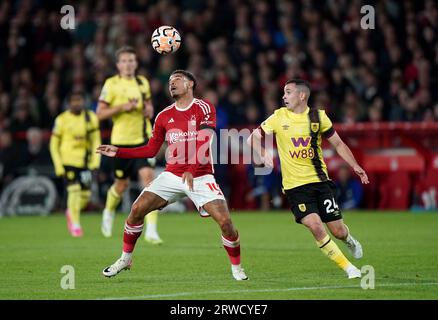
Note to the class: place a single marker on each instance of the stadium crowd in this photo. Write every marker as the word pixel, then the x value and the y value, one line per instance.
pixel 242 52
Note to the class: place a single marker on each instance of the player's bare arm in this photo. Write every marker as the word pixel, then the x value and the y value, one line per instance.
pixel 344 151
pixel 255 142
pixel 104 111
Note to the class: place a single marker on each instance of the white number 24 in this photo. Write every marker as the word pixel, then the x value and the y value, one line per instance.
pixel 330 205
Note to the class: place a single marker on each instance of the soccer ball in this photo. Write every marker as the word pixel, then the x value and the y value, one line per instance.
pixel 165 39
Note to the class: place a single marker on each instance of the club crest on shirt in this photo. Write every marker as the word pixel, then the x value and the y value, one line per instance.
pixel 314 127
pixel 193 120
pixel 302 207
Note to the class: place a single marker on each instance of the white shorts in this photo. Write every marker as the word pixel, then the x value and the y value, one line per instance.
pixel 171 188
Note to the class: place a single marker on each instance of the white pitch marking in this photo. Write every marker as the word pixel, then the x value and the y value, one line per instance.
pixel 181 294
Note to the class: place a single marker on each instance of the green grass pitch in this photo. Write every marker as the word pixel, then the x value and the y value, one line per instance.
pixel 280 258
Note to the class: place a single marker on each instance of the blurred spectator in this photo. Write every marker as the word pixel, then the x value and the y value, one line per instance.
pixel 10 158
pixel 375 111
pixel 21 117
pixel 350 190
pixel 243 51
pixel 5 110
pixel 265 190
pixel 86 27
pixel 53 109
pixel 36 155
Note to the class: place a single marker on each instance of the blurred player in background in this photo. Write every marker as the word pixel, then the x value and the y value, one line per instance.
pixel 188 126
pixel 126 99
pixel 298 131
pixel 74 136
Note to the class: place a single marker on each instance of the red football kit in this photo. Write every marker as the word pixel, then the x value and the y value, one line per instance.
pixel 187 150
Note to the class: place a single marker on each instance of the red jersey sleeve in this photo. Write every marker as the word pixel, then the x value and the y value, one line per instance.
pixel 151 148
pixel 207 115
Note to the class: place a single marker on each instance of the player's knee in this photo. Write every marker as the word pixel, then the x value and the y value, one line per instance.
pixel 316 228
pixel 339 232
pixel 137 211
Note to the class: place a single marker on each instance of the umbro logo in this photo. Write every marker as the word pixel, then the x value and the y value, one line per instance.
pixel 171 120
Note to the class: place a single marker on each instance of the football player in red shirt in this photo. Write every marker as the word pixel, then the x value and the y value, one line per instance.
pixel 188 126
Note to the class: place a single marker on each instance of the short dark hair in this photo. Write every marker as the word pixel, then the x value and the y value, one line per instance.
pixel 76 93
pixel 300 82
pixel 124 49
pixel 187 74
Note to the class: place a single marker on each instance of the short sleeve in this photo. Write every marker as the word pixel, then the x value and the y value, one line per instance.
pixel 327 129
pixel 207 115
pixel 270 124
pixel 107 94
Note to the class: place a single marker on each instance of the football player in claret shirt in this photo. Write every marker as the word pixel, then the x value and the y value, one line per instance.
pixel 187 126
pixel 126 99
pixel 298 132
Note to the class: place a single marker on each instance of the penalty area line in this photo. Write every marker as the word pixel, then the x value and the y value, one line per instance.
pixel 182 294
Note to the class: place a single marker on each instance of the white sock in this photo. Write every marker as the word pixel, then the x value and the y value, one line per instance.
pixel 106 213
pixel 126 255
pixel 235 266
pixel 151 230
pixel 351 267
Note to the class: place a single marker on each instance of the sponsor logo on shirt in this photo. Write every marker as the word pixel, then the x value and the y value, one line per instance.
pixel 182 136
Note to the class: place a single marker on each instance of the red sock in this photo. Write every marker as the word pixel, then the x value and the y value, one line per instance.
pixel 130 236
pixel 233 249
